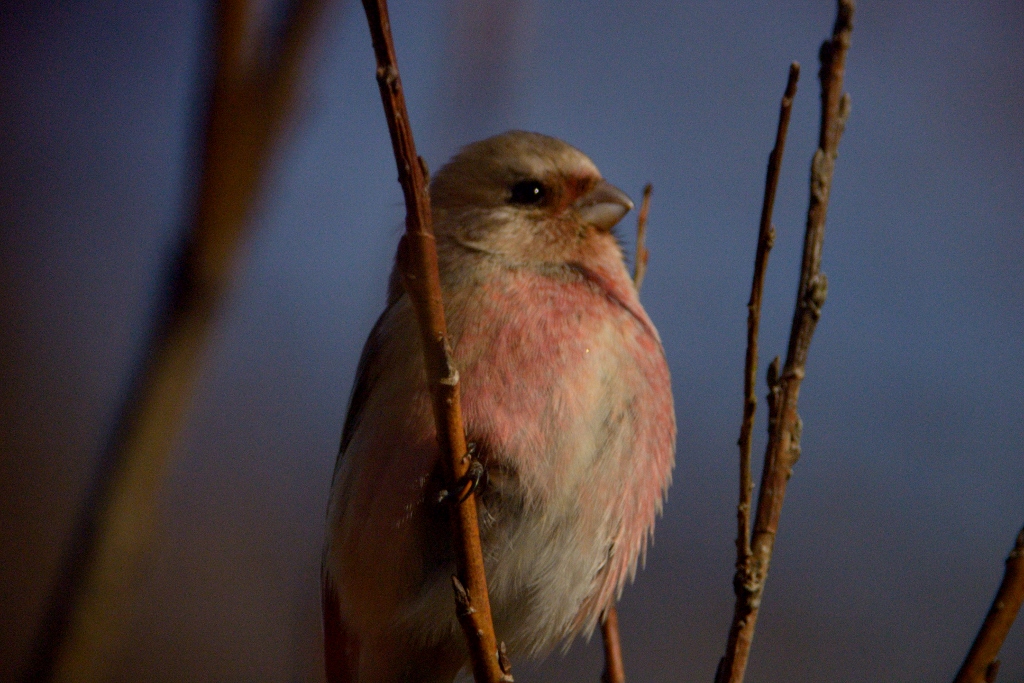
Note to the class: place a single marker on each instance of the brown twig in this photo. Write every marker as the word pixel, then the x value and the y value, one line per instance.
pixel 785 426
pixel 247 106
pixel 981 664
pixel 765 240
pixel 640 267
pixel 614 671
pixel 417 259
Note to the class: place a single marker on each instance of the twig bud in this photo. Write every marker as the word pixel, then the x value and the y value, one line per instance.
pixel 773 373
pixel 462 599
pixel 503 661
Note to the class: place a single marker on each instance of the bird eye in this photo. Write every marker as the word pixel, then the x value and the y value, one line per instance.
pixel 528 192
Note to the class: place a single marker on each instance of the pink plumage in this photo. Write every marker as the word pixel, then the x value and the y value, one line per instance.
pixel 566 395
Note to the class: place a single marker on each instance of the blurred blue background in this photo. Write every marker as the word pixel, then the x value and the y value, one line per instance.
pixel 911 485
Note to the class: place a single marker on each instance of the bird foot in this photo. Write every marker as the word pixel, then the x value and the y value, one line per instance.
pixel 472 481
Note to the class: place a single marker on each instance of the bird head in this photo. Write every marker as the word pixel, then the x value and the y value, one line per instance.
pixel 527 199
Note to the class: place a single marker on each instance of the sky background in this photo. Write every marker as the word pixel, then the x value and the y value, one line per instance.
pixel 910 489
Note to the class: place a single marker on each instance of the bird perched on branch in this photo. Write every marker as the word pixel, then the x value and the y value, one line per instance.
pixel 566 397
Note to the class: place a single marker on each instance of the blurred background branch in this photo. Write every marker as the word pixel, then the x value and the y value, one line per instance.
pixel 249 101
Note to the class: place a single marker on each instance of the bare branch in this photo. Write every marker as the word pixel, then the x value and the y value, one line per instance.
pixel 640 267
pixel 417 261
pixel 247 107
pixel 765 240
pixel 981 664
pixel 785 426
pixel 614 671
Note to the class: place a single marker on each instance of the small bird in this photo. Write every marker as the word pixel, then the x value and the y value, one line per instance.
pixel 566 399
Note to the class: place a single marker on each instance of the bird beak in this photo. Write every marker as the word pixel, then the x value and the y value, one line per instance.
pixel 603 206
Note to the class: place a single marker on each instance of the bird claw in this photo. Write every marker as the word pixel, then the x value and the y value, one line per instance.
pixel 474 476
pixel 469 483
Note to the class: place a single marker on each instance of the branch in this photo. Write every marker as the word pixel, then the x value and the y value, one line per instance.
pixel 785 426
pixel 640 267
pixel 765 241
pixel 417 261
pixel 981 664
pixel 614 671
pixel 247 107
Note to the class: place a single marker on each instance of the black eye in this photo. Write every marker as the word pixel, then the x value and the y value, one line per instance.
pixel 527 192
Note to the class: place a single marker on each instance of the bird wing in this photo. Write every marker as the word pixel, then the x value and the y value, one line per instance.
pixel 367 373
pixel 341 645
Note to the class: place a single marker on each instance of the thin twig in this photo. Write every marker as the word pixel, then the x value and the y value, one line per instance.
pixel 981 664
pixel 417 260
pixel 640 267
pixel 765 240
pixel 614 671
pixel 247 107
pixel 783 448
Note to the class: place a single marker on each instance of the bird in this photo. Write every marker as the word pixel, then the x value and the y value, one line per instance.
pixel 567 403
